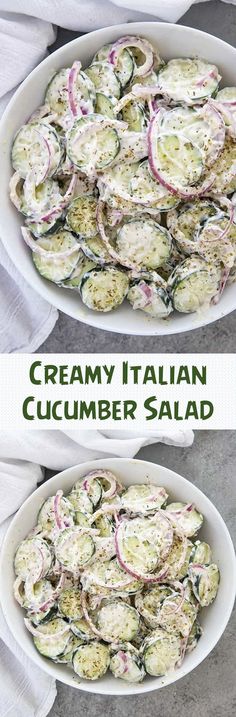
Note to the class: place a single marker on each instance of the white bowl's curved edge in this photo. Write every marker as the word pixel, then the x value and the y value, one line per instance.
pixel 148 686
pixel 140 325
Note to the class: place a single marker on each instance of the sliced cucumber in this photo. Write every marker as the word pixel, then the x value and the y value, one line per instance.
pixel 118 621
pixel 40 617
pixel 37 593
pixel 124 66
pixel 205 581
pixel 81 216
pixel 161 652
pixel 84 265
pixel 148 603
pixel 177 617
pixel 142 542
pixel 106 575
pixel 43 229
pixel 91 661
pixel 227 95
pixel 104 289
pixel 188 81
pixel 57 269
pixel 224 169
pixel 57 93
pixel 74 548
pixel 194 637
pixel 104 105
pixel 105 526
pixel 193 284
pixel 178 160
pixel 215 250
pixel 81 629
pixel 30 150
pixel 143 498
pixel 93 490
pixel 95 249
pixel 145 188
pixel 186 223
pixel 81 519
pixel 69 604
pixel 33 558
pixel 49 646
pixel 201 127
pixel 133 113
pixel 127 665
pixel 93 150
pixel 67 656
pixel 144 242
pixel 177 561
pixel 151 298
pixel 46 515
pixel 104 78
pixel 187 517
pixel 201 553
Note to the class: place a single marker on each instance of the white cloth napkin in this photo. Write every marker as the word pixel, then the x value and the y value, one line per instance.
pixel 27 28
pixel 26 691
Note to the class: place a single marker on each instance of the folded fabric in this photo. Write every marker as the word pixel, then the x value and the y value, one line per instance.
pixel 27 29
pixel 25 691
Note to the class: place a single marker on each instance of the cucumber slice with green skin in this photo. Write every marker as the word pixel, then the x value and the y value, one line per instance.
pixel 227 95
pixel 46 515
pixel 80 500
pixel 210 245
pixel 59 269
pixel 69 604
pixel 57 94
pixel 188 81
pixel 33 558
pixel 104 78
pixel 44 229
pixel 127 666
pixel 145 188
pixel 39 618
pixel 144 242
pixel 106 575
pixel 30 150
pixel 179 161
pixel 161 653
pixel 143 498
pixel 38 593
pixel 202 126
pixel 81 216
pixel 150 298
pixel 81 629
pixel 224 169
pixel 39 198
pixel 205 581
pixel 194 637
pixel 143 542
pixel 148 603
pixel 104 289
pixel 105 526
pixel 96 251
pixel 104 105
pixel 187 517
pixel 81 519
pixel 93 490
pixel 145 80
pixel 67 656
pixel 124 66
pixel 178 559
pixel 201 553
pixel 177 617
pixel 92 151
pixel 185 223
pixel 193 284
pixel 133 146
pixel 84 265
pixel 133 113
pixel 118 621
pixel 52 647
pixel 74 548
pixel 91 662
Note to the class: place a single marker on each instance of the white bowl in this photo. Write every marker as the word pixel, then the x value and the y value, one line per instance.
pixel 213 619
pixel 172 41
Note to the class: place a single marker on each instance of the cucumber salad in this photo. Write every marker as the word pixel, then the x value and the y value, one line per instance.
pixel 115 578
pixel 126 177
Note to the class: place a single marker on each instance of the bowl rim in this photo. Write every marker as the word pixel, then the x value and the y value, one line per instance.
pixel 148 686
pixel 47 292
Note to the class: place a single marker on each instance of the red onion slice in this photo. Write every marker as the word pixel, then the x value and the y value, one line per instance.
pixel 56 508
pixel 108 475
pixel 71 83
pixel 130 41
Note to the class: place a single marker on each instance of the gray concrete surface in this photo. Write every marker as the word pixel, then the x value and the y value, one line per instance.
pixel 72 336
pixel 210 690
